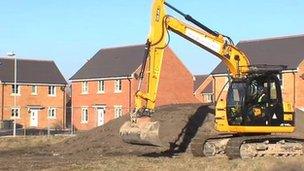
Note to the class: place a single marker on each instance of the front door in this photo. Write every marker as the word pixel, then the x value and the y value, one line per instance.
pixel 100 116
pixel 34 118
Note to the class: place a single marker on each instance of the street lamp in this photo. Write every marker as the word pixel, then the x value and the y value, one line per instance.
pixel 12 54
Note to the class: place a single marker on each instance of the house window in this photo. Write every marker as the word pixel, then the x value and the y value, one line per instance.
pixel 52 90
pixel 84 115
pixel 52 113
pixel 34 90
pixel 101 86
pixel 15 89
pixel 15 112
pixel 117 86
pixel 208 97
pixel 85 87
pixel 118 111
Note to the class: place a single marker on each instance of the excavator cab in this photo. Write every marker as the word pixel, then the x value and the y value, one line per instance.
pixel 256 101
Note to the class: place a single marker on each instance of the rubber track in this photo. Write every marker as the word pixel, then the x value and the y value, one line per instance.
pixel 199 142
pixel 233 147
pixel 234 144
pixel 197 145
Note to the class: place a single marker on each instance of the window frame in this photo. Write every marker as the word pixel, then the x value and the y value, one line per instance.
pixel 36 90
pixel 116 114
pixel 208 96
pixel 84 120
pixel 273 91
pixel 101 86
pixel 14 116
pixel 118 86
pixel 84 87
pixel 53 91
pixel 18 93
pixel 53 109
pixel 281 79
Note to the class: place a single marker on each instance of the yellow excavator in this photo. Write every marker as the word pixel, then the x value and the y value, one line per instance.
pixel 252 112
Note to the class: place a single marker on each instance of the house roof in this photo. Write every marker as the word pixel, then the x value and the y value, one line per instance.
pixel 209 88
pixel 31 71
pixel 112 62
pixel 199 79
pixel 287 50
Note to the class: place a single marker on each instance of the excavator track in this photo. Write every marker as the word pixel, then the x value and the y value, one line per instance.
pixel 197 146
pixel 235 147
pixel 208 145
pixel 265 145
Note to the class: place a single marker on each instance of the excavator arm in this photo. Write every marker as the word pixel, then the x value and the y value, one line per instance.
pixel 215 43
pixel 141 130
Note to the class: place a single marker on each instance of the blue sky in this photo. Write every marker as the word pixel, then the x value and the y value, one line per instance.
pixel 72 31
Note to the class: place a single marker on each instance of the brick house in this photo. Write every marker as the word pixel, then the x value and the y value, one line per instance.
pixel 104 88
pixel 40 93
pixel 287 50
pixel 203 88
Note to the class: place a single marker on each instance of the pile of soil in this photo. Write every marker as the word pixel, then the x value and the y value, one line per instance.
pixel 179 124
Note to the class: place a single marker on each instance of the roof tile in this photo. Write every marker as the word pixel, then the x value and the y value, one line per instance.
pixel 199 79
pixel 112 62
pixel 31 71
pixel 275 51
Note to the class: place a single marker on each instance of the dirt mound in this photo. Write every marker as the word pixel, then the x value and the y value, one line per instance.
pixel 179 124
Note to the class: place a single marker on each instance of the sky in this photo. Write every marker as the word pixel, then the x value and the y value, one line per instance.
pixel 70 32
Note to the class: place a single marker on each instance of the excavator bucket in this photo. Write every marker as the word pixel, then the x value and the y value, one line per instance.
pixel 140 133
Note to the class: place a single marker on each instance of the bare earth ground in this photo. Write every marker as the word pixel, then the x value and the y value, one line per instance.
pixel 102 149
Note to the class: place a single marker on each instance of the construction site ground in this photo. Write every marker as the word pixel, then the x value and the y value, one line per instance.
pixel 102 149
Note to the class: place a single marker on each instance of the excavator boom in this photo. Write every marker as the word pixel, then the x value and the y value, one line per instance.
pixel 141 129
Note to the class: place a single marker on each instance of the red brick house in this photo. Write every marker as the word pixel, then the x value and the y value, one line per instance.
pixel 40 93
pixel 203 88
pixel 104 88
pixel 287 50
